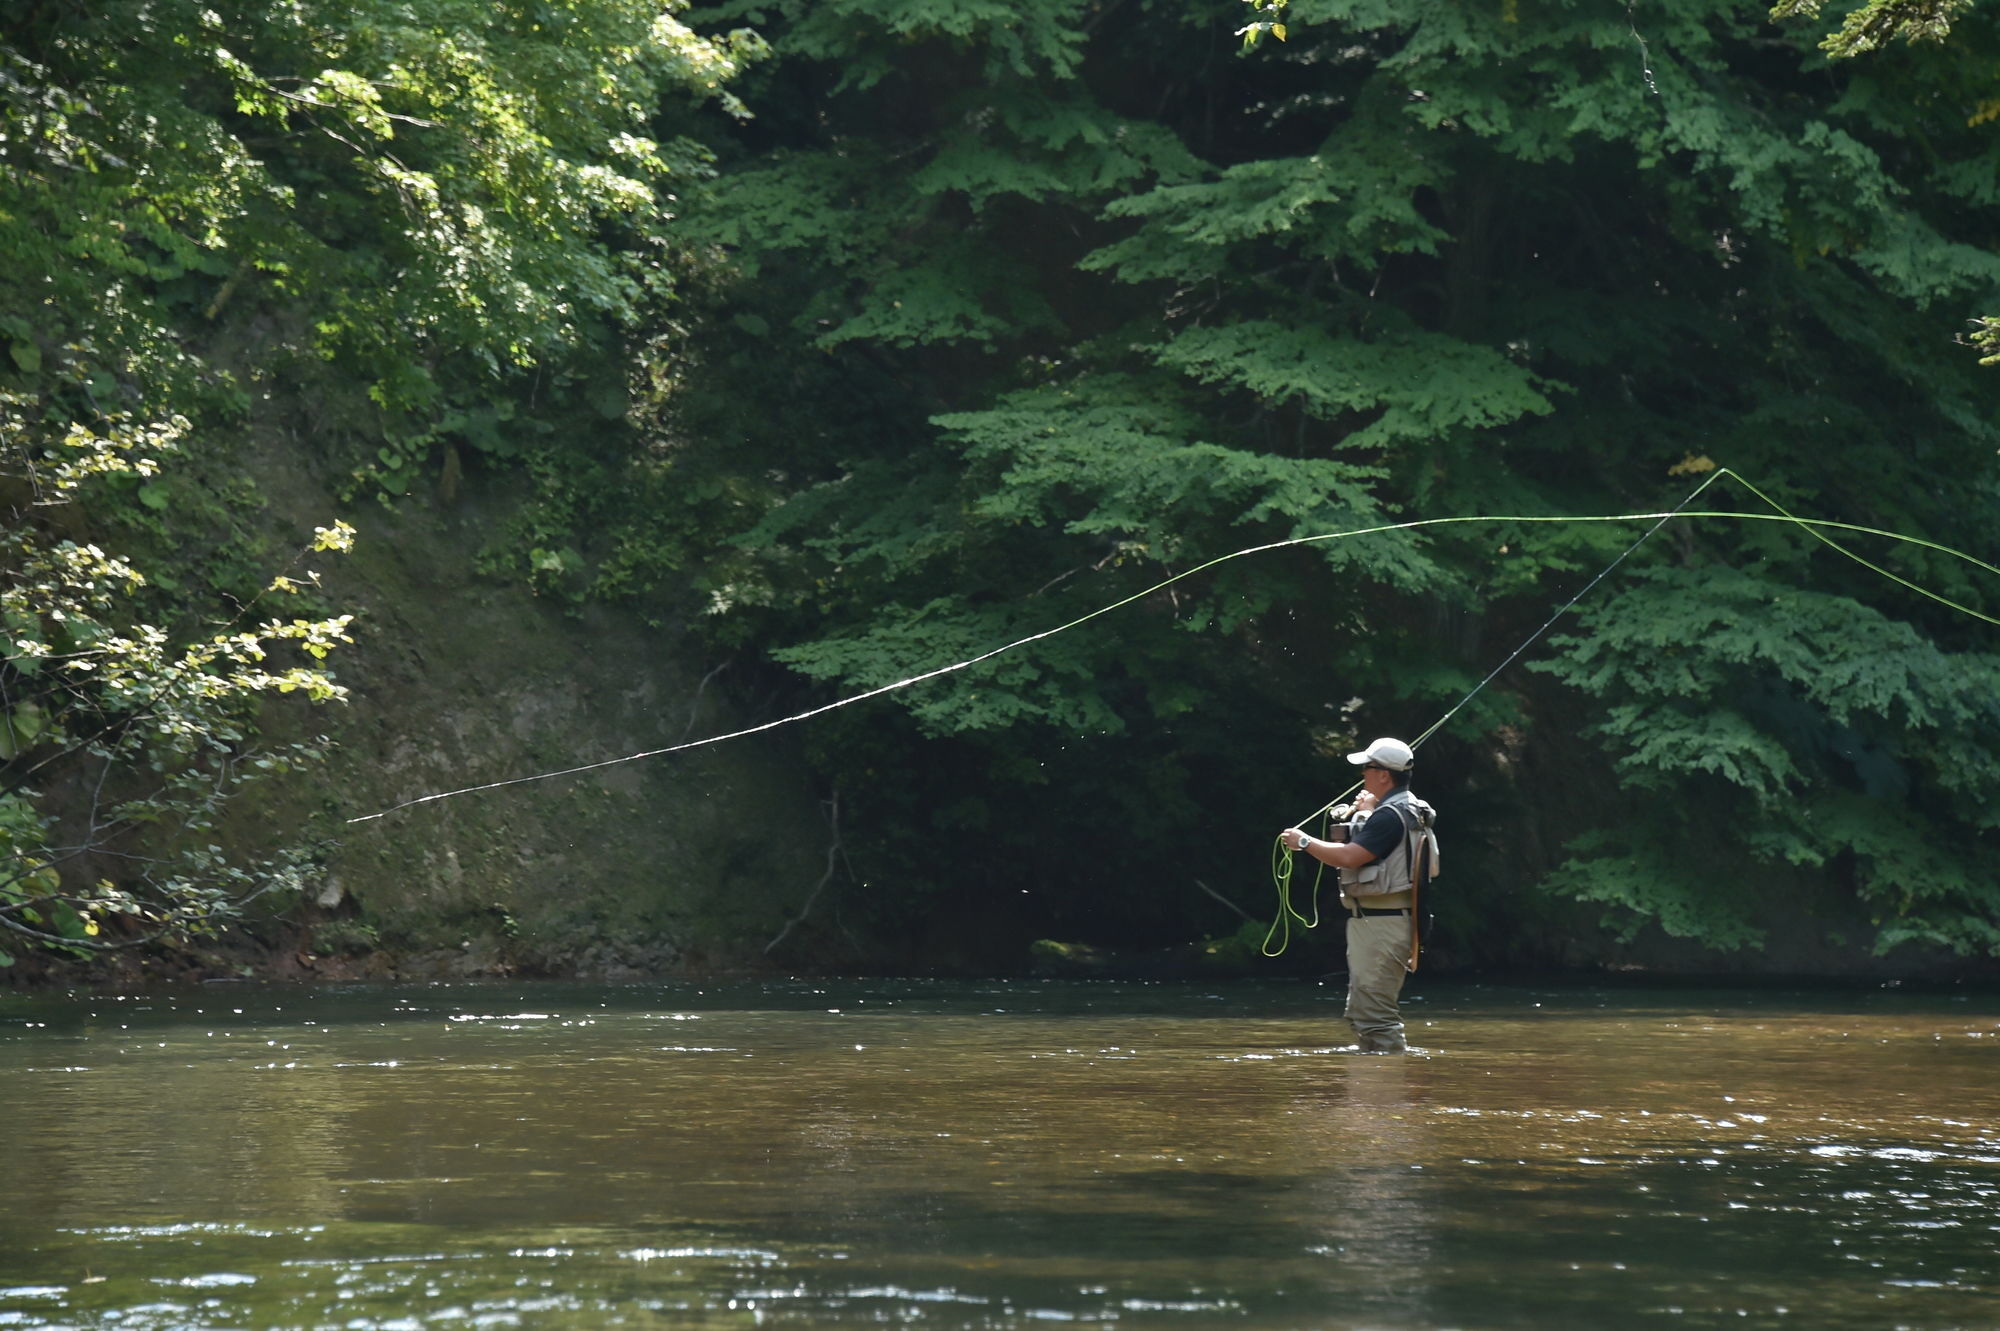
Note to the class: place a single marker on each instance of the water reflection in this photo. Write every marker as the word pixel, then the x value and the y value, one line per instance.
pixel 988 1156
pixel 1371 1133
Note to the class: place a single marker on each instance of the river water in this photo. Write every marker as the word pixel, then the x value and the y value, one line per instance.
pixel 995 1156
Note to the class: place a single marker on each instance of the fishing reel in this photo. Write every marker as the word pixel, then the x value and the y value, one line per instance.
pixel 1338 827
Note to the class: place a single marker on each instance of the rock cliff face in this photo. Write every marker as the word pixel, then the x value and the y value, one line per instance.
pixel 687 861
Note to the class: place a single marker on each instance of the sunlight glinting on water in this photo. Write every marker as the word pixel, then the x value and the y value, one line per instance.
pixel 996 1156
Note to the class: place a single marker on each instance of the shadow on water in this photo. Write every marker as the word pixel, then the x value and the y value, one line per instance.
pixel 990 1155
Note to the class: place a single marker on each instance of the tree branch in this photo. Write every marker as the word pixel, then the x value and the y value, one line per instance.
pixel 834 854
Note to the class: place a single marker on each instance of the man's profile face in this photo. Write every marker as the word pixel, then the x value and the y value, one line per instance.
pixel 1376 780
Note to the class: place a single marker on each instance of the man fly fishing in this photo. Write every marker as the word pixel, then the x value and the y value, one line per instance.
pixel 1383 849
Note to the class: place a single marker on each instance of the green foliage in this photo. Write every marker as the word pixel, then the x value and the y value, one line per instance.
pixel 1827 735
pixel 1642 882
pixel 873 40
pixel 123 741
pixel 1986 336
pixel 437 198
pixel 1018 322
pixel 1254 32
pixel 1110 455
pixel 413 235
pixel 1870 26
pixel 1423 385
pixel 1874 24
pixel 1349 201
pixel 960 320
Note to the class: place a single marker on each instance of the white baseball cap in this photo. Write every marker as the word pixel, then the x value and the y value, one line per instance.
pixel 1390 753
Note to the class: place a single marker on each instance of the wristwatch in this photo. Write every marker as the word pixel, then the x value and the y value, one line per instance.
pixel 1303 839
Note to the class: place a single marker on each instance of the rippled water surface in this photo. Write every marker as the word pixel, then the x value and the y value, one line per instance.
pixel 997 1156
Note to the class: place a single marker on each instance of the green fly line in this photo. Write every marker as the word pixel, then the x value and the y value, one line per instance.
pixel 1282 861
pixel 1817 527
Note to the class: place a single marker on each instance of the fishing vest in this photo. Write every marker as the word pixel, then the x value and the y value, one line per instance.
pixel 1391 873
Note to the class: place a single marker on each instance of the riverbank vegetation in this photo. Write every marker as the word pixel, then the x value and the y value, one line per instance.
pixel 863 338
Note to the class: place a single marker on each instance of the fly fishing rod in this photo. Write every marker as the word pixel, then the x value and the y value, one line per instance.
pixel 1281 856
pixel 1819 528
